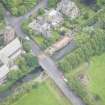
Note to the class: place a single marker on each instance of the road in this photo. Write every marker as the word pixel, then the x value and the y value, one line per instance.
pixel 15 22
pixel 45 61
pixel 53 71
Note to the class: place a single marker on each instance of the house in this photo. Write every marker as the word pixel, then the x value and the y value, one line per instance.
pixel 9 34
pixel 41 27
pixel 44 25
pixel 4 70
pixel 59 45
pixel 6 36
pixel 54 17
pixel 8 55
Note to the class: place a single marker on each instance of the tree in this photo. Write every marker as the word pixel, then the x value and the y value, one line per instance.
pixel 31 60
pixel 101 2
pixel 26 46
pixel 19 7
pixel 1 12
pixel 13 75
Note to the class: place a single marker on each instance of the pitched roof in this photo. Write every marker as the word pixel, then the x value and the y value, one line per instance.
pixel 10 49
pixel 3 71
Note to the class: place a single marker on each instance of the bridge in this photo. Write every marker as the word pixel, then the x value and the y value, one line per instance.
pixel 52 70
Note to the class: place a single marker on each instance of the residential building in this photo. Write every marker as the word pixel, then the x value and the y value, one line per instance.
pixel 58 45
pixel 9 34
pixel 8 55
pixel 54 17
pixel 44 25
pixel 4 70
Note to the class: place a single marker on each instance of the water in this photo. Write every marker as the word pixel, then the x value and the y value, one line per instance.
pixel 64 51
pixel 35 73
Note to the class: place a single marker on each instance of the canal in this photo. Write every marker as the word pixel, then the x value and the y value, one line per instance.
pixel 31 76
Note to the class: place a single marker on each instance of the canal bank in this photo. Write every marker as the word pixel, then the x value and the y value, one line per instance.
pixel 31 76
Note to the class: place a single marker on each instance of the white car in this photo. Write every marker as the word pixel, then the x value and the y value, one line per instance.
pixel 65 79
pixel 27 38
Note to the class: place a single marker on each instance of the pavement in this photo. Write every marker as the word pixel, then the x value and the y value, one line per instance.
pixel 46 62
pixel 15 22
pixel 52 70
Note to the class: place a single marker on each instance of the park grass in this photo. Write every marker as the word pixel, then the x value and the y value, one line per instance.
pixel 95 88
pixel 45 94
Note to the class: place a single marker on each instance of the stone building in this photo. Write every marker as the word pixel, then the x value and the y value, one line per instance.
pixel 8 55
pixel 58 45
pixel 9 35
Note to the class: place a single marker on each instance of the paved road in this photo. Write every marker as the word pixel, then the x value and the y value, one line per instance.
pixel 56 75
pixel 16 23
pixel 44 61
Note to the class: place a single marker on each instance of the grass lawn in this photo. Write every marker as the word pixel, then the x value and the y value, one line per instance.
pixel 45 94
pixel 43 42
pixel 39 40
pixel 97 78
pixel 94 81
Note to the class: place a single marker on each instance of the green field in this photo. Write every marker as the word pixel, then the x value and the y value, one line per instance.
pixel 92 80
pixel 45 94
pixel 97 78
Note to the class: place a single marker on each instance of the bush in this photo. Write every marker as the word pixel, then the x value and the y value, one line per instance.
pixel 26 46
